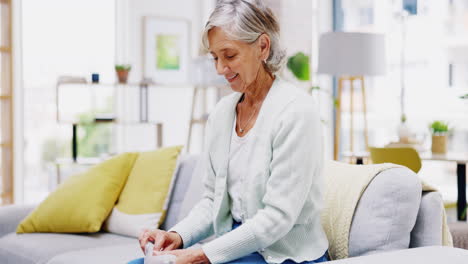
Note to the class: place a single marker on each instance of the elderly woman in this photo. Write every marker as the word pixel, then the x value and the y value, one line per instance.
pixel 263 158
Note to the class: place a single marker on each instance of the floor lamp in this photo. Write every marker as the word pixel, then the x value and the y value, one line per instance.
pixel 350 56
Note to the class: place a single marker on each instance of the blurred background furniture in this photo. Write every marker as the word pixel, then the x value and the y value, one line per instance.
pixel 351 56
pixel 113 94
pixel 407 157
pixel 200 100
pixel 204 77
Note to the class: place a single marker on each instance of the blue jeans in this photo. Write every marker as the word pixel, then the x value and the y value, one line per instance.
pixel 256 258
pixel 253 258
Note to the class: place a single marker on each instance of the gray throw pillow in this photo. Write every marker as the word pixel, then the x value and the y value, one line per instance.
pixel 428 228
pixel 386 213
pixel 184 174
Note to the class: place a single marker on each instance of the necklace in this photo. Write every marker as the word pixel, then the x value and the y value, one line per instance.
pixel 241 130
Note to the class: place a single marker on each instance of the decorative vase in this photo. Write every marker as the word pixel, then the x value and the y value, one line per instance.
pixel 122 76
pixel 439 143
pixel 404 133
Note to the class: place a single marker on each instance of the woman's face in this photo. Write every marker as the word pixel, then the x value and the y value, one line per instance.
pixel 238 61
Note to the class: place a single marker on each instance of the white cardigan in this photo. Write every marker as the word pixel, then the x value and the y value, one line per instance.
pixel 282 191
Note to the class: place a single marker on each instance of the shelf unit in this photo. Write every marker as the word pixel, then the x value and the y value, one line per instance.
pixel 6 104
pixel 200 92
pixel 67 80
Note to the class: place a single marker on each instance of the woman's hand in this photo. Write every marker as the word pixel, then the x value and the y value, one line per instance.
pixel 163 241
pixel 184 256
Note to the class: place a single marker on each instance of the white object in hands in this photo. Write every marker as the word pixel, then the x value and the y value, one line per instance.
pixel 162 259
pixel 149 249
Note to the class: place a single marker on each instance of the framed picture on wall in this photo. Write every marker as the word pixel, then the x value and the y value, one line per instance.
pixel 166 50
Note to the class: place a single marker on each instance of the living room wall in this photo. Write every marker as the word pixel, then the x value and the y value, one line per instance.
pixel 302 21
pixel 170 105
pixel 129 34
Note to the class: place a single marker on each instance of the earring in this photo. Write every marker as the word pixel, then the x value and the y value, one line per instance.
pixel 264 61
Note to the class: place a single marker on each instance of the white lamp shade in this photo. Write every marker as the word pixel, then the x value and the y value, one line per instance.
pixel 352 53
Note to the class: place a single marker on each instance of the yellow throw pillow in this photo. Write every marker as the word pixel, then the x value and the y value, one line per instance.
pixel 82 203
pixel 143 201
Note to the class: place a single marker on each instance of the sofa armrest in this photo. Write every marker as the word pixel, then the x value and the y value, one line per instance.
pixel 386 213
pixel 11 216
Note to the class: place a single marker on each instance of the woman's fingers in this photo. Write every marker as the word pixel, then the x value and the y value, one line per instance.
pixel 145 237
pixel 159 241
pixel 170 247
pixel 143 240
pixel 142 233
pixel 177 252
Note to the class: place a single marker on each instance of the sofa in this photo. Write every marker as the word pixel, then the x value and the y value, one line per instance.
pixel 392 216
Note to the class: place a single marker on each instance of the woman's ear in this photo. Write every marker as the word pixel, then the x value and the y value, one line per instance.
pixel 264 42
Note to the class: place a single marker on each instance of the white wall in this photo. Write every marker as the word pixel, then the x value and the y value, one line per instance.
pixel 130 20
pixel 170 105
pixel 302 22
pixel 299 20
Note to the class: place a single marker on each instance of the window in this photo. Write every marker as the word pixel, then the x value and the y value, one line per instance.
pixel 59 38
pixel 435 58
pixel 427 53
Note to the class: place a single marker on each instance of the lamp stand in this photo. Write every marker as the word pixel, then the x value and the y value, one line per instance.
pixel 351 80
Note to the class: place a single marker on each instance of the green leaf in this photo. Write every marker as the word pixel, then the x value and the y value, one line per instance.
pixel 123 67
pixel 403 118
pixel 311 89
pixel 439 127
pixel 299 65
pixel 336 102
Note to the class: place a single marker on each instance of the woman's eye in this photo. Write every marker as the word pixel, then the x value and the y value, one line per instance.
pixel 230 57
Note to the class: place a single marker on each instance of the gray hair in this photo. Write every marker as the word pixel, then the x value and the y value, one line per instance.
pixel 247 20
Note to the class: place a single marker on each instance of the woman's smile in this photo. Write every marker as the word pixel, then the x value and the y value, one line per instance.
pixel 232 77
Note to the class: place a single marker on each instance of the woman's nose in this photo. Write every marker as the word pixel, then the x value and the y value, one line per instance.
pixel 220 67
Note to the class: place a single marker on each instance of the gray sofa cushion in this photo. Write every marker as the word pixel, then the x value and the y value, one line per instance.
pixel 187 164
pixel 386 213
pixel 102 255
pixel 11 216
pixel 40 248
pixel 422 255
pixel 428 228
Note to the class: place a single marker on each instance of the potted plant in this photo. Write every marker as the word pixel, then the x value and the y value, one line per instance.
pixel 122 71
pixel 299 66
pixel 439 130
